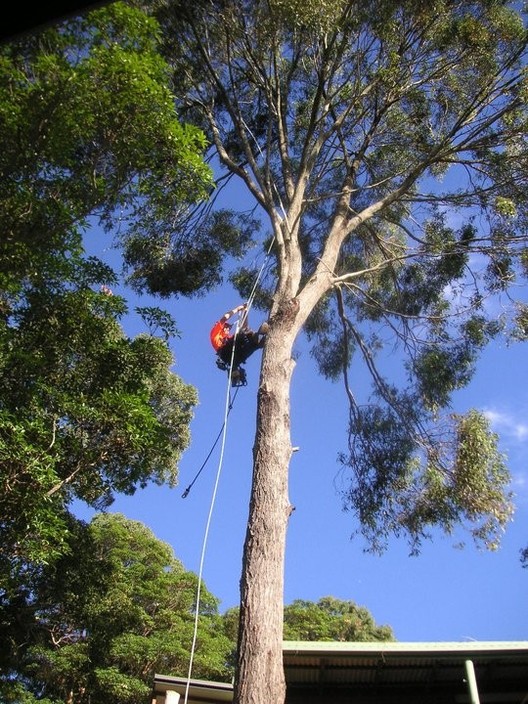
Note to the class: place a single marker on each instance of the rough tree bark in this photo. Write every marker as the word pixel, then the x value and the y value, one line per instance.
pixel 264 552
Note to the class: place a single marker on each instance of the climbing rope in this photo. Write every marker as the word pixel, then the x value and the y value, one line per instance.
pixel 257 279
pixel 231 402
pixel 223 434
pixel 227 408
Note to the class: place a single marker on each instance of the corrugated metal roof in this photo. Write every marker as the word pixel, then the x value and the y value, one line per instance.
pixel 328 667
pixel 394 647
pixel 387 664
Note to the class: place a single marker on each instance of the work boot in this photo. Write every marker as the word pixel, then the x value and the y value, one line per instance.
pixel 238 377
pixel 261 334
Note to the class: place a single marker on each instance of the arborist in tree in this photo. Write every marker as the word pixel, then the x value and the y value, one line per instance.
pixel 245 340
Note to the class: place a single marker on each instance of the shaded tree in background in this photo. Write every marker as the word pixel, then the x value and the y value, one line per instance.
pixel 97 624
pixel 384 145
pixel 89 135
pixel 332 619
pixel 101 620
pixel 328 619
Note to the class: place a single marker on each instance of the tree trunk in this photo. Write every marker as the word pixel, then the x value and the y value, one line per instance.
pixel 260 674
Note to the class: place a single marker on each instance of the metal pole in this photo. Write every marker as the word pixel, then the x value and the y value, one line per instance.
pixel 472 682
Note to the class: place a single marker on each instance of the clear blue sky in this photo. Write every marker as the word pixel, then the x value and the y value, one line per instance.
pixel 445 594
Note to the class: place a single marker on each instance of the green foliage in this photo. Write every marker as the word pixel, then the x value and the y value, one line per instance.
pixel 158 320
pixel 101 620
pixel 479 475
pixel 406 485
pixel 93 411
pixel 521 322
pixel 331 620
pixel 386 144
pixel 89 134
pixel 89 128
pixel 318 15
pixel 328 619
pixel 188 262
pixel 524 557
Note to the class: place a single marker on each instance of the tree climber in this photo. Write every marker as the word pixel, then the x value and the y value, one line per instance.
pixel 246 341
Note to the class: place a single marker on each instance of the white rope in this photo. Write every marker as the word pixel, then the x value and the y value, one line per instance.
pixel 224 435
pixel 208 524
pixel 254 289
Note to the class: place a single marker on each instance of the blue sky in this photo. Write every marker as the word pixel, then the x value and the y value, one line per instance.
pixel 445 594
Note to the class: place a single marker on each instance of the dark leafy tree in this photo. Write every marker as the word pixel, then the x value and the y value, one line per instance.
pixel 89 134
pixel 384 144
pixel 100 621
pixel 328 619
pixel 331 619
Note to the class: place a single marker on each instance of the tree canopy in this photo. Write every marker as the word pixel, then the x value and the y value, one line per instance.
pixel 384 145
pixel 97 624
pixel 331 619
pixel 89 136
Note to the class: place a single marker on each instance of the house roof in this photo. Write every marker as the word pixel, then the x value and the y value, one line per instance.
pixel 200 691
pixel 501 670
pixel 499 666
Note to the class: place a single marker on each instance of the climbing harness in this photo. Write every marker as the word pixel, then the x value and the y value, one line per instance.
pixel 238 374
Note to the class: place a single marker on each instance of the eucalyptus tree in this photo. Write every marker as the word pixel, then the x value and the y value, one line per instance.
pixel 384 144
pixel 89 135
